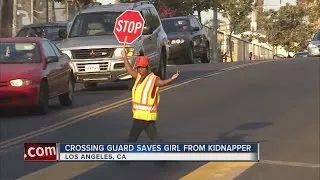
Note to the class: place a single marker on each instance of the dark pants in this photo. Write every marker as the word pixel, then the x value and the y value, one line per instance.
pixel 148 126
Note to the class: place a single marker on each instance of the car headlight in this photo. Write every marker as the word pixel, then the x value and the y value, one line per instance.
pixel 177 41
pixel 20 82
pixel 68 53
pixel 117 52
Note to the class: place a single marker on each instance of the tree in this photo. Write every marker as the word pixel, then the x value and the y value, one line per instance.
pixel 287 28
pixel 236 11
pixel 314 10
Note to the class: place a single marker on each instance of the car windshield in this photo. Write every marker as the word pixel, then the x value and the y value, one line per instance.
pixel 18 52
pixel 176 25
pixel 49 32
pixel 316 37
pixel 94 24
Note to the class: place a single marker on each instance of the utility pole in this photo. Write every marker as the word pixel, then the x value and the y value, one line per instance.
pixel 47 10
pixel 14 18
pixel 214 35
pixel 253 23
pixel 31 12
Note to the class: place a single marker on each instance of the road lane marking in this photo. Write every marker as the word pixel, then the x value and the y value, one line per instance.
pixel 230 170
pixel 22 138
pixel 8 142
pixel 218 171
pixel 290 163
pixel 67 170
pixel 77 167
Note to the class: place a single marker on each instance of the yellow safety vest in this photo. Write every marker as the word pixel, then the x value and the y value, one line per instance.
pixel 144 106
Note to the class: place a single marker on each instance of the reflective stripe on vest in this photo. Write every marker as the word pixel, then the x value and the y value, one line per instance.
pixel 142 107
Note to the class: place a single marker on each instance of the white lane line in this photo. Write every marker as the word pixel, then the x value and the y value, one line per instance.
pixel 290 163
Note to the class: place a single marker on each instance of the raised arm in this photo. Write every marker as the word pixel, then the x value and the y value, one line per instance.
pixel 161 83
pixel 127 65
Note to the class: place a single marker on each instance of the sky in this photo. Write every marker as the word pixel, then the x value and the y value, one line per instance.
pixel 105 1
pixel 275 4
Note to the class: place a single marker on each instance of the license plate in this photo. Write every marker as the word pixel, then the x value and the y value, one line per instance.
pixel 92 68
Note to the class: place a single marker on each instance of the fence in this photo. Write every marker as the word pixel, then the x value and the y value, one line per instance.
pixel 40 11
pixel 240 48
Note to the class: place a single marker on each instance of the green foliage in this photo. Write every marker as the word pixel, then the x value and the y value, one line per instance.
pixel 236 11
pixel 314 10
pixel 287 27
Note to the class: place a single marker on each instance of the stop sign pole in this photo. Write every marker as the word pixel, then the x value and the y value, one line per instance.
pixel 128 26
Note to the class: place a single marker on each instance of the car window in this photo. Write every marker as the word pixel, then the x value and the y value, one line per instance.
pixel 94 24
pixel 55 49
pixel 197 23
pixel 26 32
pixel 192 23
pixel 19 52
pixel 316 37
pixel 23 32
pixel 47 49
pixel 156 20
pixel 176 25
pixel 49 32
pixel 147 17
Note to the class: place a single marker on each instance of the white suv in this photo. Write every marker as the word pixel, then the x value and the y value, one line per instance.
pixel 314 45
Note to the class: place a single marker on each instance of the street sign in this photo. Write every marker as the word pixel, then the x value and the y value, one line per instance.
pixel 128 26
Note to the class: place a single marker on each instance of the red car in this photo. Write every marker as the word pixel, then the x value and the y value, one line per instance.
pixel 33 70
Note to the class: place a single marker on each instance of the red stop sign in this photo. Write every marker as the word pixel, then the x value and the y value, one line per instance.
pixel 129 26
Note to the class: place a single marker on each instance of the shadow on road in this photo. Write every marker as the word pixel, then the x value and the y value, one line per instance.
pixel 107 87
pixel 234 137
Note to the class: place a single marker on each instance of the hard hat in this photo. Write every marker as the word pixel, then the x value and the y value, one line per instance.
pixel 142 61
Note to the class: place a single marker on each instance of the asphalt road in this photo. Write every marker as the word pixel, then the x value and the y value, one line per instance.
pixel 274 102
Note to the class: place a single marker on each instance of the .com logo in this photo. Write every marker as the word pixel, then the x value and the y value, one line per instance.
pixel 40 152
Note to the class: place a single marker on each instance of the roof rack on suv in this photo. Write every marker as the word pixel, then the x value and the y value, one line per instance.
pixel 141 3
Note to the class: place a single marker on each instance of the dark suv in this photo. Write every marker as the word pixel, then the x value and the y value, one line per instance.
pixel 49 30
pixel 187 39
pixel 95 52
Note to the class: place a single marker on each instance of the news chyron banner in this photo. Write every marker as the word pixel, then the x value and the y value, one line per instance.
pixel 141 152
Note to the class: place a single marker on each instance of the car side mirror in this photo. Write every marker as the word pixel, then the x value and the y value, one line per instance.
pixel 146 30
pixel 52 59
pixel 194 29
pixel 62 33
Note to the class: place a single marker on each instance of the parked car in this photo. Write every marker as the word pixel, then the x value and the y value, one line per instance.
pixel 314 45
pixel 187 39
pixel 96 53
pixel 301 55
pixel 33 70
pixel 50 30
pixel 279 56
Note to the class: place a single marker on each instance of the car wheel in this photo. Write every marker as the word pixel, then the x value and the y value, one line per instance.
pixel 90 85
pixel 66 99
pixel 205 58
pixel 190 58
pixel 43 103
pixel 162 70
